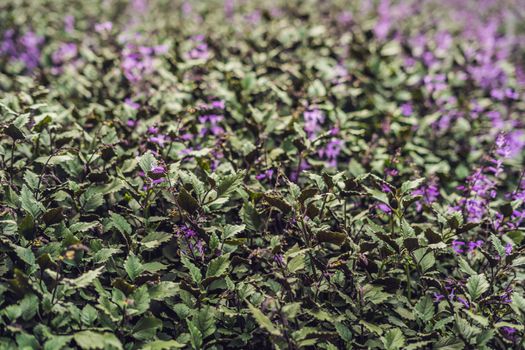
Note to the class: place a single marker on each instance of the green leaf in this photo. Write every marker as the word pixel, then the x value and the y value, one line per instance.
pixel 26 255
pixel 187 202
pixel 229 184
pixel 147 162
pixel 94 340
pixel 481 320
pixel 496 242
pixel 120 223
pixel 85 279
pixel 195 272
pixel 29 202
pixel 393 339
pixel 195 335
pixel 141 301
pixel 296 264
pixel 343 332
pixel 163 345
pixel 424 308
pixel 250 217
pixel 263 320
pixel 477 285
pixel 53 216
pixel 218 266
pixel 88 315
pixel 205 321
pixel 91 199
pixel 230 231
pixel 104 254
pixel 133 266
pixel 57 342
pixel 425 258
pixel 411 185
pixel 146 328
pixel 465 267
pixel 337 238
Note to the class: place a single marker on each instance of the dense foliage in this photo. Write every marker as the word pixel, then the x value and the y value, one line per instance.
pixel 252 175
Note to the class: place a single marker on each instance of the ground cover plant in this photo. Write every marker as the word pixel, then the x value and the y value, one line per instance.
pixel 239 174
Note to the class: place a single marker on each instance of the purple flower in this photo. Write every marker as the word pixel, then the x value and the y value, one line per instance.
pixel 458 246
pixel 391 172
pixel 130 103
pixel 137 61
pixel 279 259
pixel 267 174
pixel 506 297
pixel 158 170
pixel 200 49
pixel 384 208
pixel 313 118
pixel 69 24
pixel 132 123
pixel 508 249
pixel 511 94
pixel 463 301
pixel 218 104
pixel 25 49
pixel 509 333
pixel 438 297
pixel 331 151
pixel 153 130
pixel 103 27
pixel 430 194
pixel 406 109
pixel 64 53
pixel 382 27
pixel 254 17
pixel 159 139
pixel 344 18
pixel 474 245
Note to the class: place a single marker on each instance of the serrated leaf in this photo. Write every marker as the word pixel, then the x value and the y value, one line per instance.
pixel 187 202
pixel 230 231
pixel 296 264
pixel 465 267
pixel 147 162
pixel 29 202
pixel 95 340
pixel 146 328
pixel 393 339
pixel 228 184
pixel 218 265
pixel 163 345
pixel 195 335
pixel 250 217
pixel 57 342
pixel 120 223
pixel 104 254
pixel 133 266
pixel 263 320
pixel 476 286
pixel 85 279
pixel 337 238
pixel 195 273
pixel 424 308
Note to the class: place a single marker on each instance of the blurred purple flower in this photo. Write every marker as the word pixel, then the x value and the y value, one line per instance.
pixel 64 53
pixel 313 118
pixel 458 246
pixel 103 27
pixel 406 109
pixel 130 103
pixel 267 174
pixel 69 24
